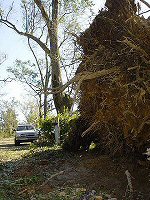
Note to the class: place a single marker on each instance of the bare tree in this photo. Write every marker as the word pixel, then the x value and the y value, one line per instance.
pixel 8 117
pixel 26 73
pixel 42 20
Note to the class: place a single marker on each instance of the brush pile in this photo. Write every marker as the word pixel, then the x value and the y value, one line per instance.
pixel 116 106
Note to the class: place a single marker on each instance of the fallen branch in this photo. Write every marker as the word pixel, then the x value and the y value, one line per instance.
pixel 23 191
pixel 127 173
pixel 52 176
pixel 43 184
pixel 2 58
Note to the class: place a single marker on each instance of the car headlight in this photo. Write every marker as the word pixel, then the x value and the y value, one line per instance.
pixel 18 134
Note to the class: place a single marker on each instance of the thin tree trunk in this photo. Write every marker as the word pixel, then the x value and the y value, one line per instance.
pixel 45 106
pixel 52 26
pixel 55 63
pixel 40 106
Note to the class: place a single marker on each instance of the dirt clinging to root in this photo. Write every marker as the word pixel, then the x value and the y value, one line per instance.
pixel 116 105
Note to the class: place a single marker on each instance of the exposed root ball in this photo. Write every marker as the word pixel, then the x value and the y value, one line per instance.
pixel 117 106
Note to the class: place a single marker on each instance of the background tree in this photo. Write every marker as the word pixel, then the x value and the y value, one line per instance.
pixel 42 20
pixel 30 111
pixel 8 118
pixel 34 76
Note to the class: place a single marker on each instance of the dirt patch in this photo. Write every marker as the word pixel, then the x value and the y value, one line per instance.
pixel 53 173
pixel 99 173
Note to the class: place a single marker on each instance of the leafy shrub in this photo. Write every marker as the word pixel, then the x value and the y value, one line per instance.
pixel 74 140
pixel 47 131
pixel 47 127
pixel 66 121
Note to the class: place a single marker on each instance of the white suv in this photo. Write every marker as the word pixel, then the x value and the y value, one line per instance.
pixel 25 133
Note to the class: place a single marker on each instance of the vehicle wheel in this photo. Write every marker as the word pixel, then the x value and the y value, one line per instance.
pixel 17 143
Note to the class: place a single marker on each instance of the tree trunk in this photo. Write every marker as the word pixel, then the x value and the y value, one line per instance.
pixel 45 106
pixel 52 26
pixel 40 106
pixel 55 64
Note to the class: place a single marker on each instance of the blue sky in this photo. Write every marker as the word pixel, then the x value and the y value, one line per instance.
pixel 15 46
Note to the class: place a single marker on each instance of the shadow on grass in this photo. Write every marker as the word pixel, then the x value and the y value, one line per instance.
pixel 35 174
pixel 12 147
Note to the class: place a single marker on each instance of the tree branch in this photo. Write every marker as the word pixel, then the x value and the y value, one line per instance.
pixel 7 80
pixel 146 3
pixel 44 14
pixel 79 78
pixel 28 35
pixel 3 57
pixel 10 10
pixel 36 62
pixel 144 12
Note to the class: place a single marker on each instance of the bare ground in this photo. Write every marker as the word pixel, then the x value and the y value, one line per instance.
pixel 50 173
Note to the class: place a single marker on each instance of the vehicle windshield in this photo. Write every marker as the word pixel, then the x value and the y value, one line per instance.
pixel 27 127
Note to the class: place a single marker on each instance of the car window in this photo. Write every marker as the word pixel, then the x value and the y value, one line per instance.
pixel 29 127
pixel 21 128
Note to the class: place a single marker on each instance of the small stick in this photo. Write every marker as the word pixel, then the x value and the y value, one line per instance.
pixel 127 173
pixel 52 176
pixel 44 183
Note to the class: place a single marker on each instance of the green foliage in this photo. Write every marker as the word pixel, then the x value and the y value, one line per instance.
pixel 25 72
pixel 77 6
pixel 65 122
pixel 47 130
pixel 26 180
pixel 64 193
pixel 8 120
pixel 31 111
pixel 2 195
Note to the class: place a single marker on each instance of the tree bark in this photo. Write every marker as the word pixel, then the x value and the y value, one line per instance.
pixel 45 106
pixel 56 73
pixel 52 51
pixel 52 26
pixel 40 106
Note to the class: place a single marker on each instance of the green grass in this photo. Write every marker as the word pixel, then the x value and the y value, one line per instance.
pixel 2 195
pixel 67 193
pixel 9 155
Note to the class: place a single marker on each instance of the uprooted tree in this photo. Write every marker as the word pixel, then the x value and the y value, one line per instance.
pixel 115 81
